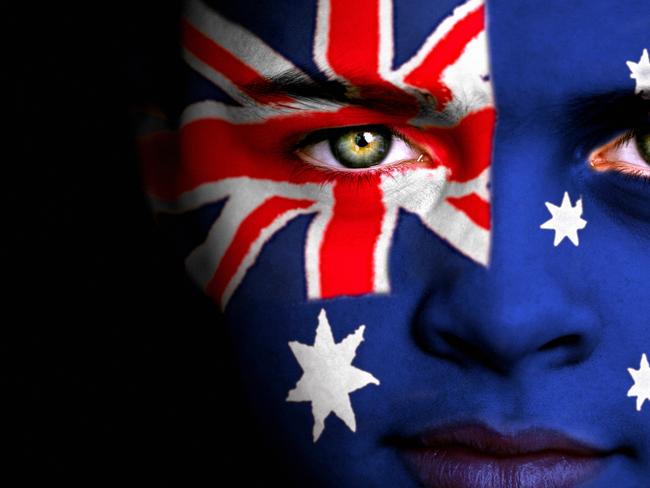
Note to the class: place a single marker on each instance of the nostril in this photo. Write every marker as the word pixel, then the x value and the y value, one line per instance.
pixel 458 344
pixel 463 350
pixel 568 341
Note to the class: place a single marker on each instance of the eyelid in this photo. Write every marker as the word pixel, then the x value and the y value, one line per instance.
pixel 324 134
pixel 320 136
pixel 621 155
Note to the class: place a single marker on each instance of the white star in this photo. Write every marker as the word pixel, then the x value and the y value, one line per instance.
pixel 641 387
pixel 328 375
pixel 641 73
pixel 566 220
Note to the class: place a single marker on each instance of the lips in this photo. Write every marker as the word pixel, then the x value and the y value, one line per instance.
pixel 475 456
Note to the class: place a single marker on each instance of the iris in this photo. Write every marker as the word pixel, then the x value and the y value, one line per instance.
pixel 361 148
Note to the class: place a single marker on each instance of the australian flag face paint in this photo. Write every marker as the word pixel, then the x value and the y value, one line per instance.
pixel 427 226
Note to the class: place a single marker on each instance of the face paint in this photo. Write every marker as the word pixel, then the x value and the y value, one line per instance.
pixel 380 249
pixel 266 187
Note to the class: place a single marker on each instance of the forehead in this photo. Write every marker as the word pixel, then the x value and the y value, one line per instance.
pixel 561 49
pixel 537 48
pixel 288 25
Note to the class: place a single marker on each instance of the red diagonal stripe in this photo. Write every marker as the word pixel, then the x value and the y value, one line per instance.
pixel 445 53
pixel 347 251
pixel 477 209
pixel 473 137
pixel 224 62
pixel 249 230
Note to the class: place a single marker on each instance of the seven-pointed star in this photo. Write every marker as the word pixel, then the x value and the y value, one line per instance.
pixel 641 387
pixel 328 375
pixel 566 220
pixel 641 73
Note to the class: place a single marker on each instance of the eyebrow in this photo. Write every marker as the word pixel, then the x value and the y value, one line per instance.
pixel 615 107
pixel 585 121
pixel 591 118
pixel 378 97
pixel 596 113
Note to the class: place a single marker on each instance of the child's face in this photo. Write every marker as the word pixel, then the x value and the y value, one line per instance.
pixel 459 179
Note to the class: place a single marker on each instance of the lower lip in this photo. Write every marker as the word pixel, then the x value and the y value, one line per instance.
pixel 460 467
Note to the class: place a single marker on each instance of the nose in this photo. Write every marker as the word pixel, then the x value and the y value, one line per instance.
pixel 491 319
pixel 529 304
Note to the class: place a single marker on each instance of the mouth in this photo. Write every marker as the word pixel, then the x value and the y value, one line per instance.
pixel 475 456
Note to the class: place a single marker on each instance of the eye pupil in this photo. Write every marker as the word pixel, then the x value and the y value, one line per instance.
pixel 361 148
pixel 362 139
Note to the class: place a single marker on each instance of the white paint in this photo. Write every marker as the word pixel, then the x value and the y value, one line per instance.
pixel 203 261
pixel 328 375
pixel 435 37
pixel 423 192
pixel 478 185
pixel 217 78
pixel 313 245
pixel 566 220
pixel 241 42
pixel 641 73
pixel 255 249
pixel 386 48
pixel 467 80
pixel 382 249
pixel 641 387
pixel 321 38
pixel 244 196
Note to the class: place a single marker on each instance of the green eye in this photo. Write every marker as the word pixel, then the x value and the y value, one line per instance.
pixel 643 144
pixel 361 148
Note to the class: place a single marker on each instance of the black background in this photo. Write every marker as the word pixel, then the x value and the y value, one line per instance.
pixel 115 370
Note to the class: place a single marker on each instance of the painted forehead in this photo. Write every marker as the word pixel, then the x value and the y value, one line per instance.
pixel 441 69
pixel 290 26
pixel 540 47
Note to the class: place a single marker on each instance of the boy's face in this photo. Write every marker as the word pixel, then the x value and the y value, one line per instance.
pixel 428 227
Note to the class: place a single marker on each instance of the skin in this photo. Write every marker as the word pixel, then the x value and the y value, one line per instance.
pixel 543 336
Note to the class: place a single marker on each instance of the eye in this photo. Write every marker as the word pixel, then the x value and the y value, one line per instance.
pixel 357 148
pixel 628 154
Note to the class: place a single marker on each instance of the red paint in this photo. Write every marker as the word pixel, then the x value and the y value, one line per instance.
pixel 473 137
pixel 347 251
pixel 214 149
pixel 446 52
pixel 353 44
pixel 249 230
pixel 222 61
pixel 477 209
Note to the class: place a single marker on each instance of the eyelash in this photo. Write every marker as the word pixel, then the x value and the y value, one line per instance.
pixel 620 168
pixel 628 136
pixel 349 176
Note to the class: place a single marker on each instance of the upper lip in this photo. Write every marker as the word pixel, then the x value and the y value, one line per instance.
pixel 481 438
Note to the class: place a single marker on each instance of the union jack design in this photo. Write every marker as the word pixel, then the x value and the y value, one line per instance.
pixel 222 153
